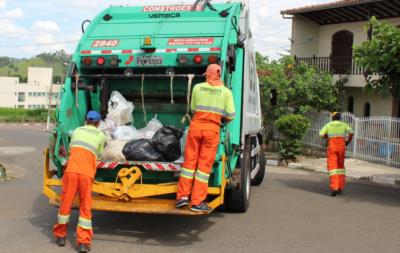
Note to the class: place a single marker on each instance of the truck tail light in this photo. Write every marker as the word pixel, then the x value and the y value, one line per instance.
pixel 101 61
pixel 183 60
pixel 87 61
pixel 198 59
pixel 212 59
pixel 114 61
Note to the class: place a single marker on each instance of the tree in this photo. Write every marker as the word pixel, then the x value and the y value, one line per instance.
pixel 298 88
pixel 290 89
pixel 381 56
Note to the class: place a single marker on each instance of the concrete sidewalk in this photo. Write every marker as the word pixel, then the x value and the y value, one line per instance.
pixel 356 169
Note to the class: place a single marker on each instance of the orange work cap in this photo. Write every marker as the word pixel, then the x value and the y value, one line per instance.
pixel 213 75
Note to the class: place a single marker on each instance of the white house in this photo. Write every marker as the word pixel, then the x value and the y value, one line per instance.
pixel 32 95
pixel 324 35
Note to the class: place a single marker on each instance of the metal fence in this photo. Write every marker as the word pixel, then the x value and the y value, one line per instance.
pixel 376 139
pixel 344 65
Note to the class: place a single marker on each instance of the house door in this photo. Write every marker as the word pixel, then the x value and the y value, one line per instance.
pixel 342 52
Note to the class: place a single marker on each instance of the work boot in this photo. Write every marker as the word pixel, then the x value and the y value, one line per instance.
pixel 83 248
pixel 203 207
pixel 334 193
pixel 60 241
pixel 182 202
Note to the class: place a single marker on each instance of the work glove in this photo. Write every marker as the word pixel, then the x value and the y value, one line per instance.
pixel 347 143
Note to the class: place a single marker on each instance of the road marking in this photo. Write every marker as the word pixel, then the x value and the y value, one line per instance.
pixel 15 150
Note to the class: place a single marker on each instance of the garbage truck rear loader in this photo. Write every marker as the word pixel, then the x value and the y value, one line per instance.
pixel 153 56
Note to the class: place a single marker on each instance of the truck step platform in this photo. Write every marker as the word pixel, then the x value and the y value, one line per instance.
pixel 144 206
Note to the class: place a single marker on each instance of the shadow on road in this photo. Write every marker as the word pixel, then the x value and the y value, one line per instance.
pixel 155 230
pixel 355 191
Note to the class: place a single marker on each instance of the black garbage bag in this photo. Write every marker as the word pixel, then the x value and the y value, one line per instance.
pixel 167 141
pixel 142 150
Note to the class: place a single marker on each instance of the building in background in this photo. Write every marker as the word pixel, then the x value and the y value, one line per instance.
pixel 324 35
pixel 35 94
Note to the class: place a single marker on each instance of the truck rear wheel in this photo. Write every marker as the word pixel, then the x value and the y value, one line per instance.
pixel 238 199
pixel 261 162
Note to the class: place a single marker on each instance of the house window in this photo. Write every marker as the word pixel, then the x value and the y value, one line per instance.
pixel 35 94
pixel 367 109
pixel 29 106
pixel 21 106
pixel 350 104
pixel 30 94
pixel 21 96
pixel 342 52
pixel 43 94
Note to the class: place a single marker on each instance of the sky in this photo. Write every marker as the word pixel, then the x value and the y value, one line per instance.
pixel 31 27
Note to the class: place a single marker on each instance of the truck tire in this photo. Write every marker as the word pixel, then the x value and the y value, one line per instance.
pixel 259 177
pixel 238 199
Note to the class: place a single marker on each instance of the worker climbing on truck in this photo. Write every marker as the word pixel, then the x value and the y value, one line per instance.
pixel 87 145
pixel 336 132
pixel 211 103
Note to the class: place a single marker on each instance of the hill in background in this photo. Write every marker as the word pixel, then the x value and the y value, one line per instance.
pixel 19 67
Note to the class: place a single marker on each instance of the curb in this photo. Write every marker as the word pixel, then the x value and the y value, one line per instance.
pixel 382 180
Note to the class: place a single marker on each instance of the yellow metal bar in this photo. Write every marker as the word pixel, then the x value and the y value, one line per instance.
pixel 138 201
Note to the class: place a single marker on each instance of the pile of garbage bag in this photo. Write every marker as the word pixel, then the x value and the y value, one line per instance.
pixel 154 142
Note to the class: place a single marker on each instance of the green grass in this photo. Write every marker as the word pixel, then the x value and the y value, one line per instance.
pixel 22 115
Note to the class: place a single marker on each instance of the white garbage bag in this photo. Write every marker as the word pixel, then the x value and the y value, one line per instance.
pixel 108 126
pixel 126 133
pixel 113 151
pixel 119 109
pixel 152 127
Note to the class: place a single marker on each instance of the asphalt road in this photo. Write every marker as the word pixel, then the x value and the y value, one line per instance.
pixel 290 212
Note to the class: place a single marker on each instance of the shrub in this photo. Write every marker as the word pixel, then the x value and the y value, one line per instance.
pixel 293 127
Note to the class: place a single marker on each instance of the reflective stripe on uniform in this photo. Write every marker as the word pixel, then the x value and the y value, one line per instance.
pixel 63 219
pixel 84 145
pixel 202 177
pixel 186 173
pixel 210 109
pixel 336 135
pixel 84 223
pixel 337 172
pixel 230 115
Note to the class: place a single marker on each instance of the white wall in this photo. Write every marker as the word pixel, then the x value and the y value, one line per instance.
pixel 310 38
pixel 305 37
pixel 379 106
pixel 8 86
pixel 40 76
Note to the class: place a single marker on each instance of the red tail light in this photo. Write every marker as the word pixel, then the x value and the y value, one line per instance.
pixel 101 61
pixel 87 61
pixel 183 60
pixel 212 59
pixel 198 59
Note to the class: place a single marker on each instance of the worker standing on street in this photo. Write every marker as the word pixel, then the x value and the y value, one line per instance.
pixel 336 132
pixel 87 145
pixel 211 103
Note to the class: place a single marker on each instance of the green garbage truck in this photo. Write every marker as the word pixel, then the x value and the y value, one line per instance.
pixel 153 56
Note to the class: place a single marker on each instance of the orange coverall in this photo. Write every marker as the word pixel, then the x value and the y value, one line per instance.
pixel 336 132
pixel 87 142
pixel 211 101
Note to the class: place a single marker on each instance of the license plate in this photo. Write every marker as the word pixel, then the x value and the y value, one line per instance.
pixel 149 60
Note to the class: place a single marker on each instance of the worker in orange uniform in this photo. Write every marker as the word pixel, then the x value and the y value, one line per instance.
pixel 336 132
pixel 87 145
pixel 211 103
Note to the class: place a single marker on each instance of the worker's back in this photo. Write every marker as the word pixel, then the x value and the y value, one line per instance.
pixel 336 132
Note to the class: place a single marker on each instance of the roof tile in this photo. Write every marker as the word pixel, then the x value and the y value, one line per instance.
pixel 336 4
